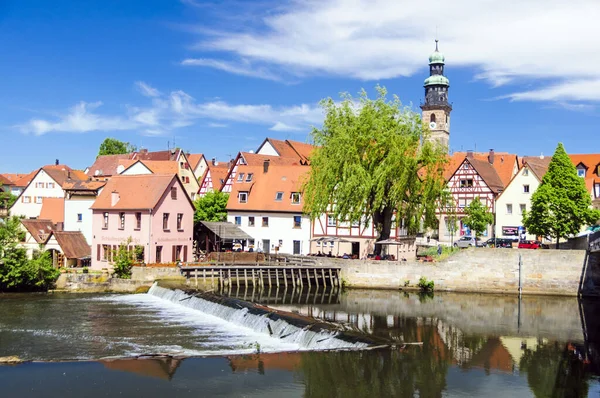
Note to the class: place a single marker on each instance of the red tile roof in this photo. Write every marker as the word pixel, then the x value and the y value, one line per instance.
pixel 291 149
pixel 504 164
pixel 538 165
pixel 194 159
pixel 106 165
pixel 263 188
pixel 53 209
pixel 63 173
pixel 5 181
pixel 591 162
pixel 88 185
pixel 157 155
pixel 161 167
pixel 73 244
pixel 24 180
pixel 136 192
pixel 38 228
pixel 254 159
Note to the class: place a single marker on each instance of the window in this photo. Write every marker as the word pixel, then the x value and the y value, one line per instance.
pixel 240 177
pixel 250 221
pixel 525 172
pixel 238 220
pixel 138 220
pixel 122 219
pixel 105 252
pixel 432 118
pixel 174 193
pixel 177 253
pixel 468 183
pixel 265 221
pixel 296 247
pixel 38 199
pixel 522 208
pixel 79 217
pixel 51 185
pixel 26 199
pixel 462 202
pixel 295 198
pixel 581 172
pixel 279 196
pixel 243 197
pixel 165 221
pixel 249 177
pixel 297 221
pixel 139 253
pixel 179 221
pixel 331 221
pixel 105 218
pixel 39 185
pixel 158 254
pixel 525 188
pixel 509 208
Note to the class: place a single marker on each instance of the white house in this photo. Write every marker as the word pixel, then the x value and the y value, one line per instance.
pixel 79 198
pixel 266 203
pixel 47 183
pixel 516 198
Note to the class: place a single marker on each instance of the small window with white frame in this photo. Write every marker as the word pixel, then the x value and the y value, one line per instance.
pixel 241 177
pixel 295 198
pixel 249 177
pixel 581 172
pixel 38 199
pixel 525 172
pixel 526 188
pixel 279 196
pixel 331 222
pixel 243 197
pixel 509 208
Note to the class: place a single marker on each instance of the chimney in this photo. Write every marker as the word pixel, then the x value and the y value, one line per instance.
pixel 542 156
pixel 60 226
pixel 114 198
pixel 214 161
pixel 57 162
pixel 266 165
pixel 491 156
pixel 68 174
pixel 470 154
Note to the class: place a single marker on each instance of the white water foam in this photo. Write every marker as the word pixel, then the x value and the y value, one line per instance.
pixel 275 330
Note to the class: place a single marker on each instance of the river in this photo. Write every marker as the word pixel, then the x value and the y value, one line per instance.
pixel 467 346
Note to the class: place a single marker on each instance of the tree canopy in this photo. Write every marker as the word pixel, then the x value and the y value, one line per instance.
pixel 7 199
pixel 477 217
pixel 112 146
pixel 561 205
pixel 211 207
pixel 372 163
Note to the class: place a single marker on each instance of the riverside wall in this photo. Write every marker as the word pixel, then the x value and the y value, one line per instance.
pixel 551 272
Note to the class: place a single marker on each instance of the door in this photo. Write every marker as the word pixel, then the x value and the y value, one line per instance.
pixel 356 249
pixel 266 245
pixel 296 247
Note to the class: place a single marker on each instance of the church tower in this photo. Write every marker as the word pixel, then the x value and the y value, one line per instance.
pixel 436 109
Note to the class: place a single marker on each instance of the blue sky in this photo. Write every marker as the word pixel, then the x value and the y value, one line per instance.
pixel 218 77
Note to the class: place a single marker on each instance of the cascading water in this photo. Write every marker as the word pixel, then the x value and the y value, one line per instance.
pixel 263 321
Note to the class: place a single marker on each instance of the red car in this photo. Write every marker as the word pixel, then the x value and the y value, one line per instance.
pixel 529 244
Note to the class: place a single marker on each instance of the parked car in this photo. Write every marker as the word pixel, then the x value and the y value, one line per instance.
pixel 465 241
pixel 530 244
pixel 499 242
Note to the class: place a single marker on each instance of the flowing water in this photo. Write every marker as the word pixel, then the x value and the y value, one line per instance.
pixel 467 346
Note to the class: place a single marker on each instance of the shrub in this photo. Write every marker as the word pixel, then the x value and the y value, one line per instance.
pixel 426 285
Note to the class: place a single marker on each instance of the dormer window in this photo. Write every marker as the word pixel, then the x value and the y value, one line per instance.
pixel 279 196
pixel 249 177
pixel 295 198
pixel 525 172
pixel 243 197
pixel 240 177
pixel 581 172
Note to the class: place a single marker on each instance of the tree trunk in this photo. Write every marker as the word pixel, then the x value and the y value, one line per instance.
pixel 382 221
pixel 557 244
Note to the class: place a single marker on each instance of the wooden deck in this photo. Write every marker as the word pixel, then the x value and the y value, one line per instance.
pixel 261 276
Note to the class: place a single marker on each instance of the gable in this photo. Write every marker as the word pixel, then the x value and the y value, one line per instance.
pixel 138 168
pixel 267 148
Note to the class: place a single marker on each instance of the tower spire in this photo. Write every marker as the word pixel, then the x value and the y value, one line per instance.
pixel 436 44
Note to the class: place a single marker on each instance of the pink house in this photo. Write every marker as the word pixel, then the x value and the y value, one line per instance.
pixel 150 211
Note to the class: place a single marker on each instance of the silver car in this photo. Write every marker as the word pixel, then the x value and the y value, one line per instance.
pixel 465 241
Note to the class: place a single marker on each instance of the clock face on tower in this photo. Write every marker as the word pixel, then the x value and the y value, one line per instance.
pixel 432 125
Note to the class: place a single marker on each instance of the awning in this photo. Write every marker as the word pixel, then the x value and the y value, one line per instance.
pixel 401 241
pixel 226 230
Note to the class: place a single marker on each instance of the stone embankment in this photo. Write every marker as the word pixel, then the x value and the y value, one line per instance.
pixel 553 272
pixel 141 280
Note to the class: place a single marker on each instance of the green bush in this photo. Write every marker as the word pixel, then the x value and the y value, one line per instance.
pixel 426 285
pixel 123 261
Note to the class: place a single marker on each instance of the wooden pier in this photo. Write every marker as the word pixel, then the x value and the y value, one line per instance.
pixel 261 276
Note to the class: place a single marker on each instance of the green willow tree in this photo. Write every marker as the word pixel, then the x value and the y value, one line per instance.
pixel 561 205
pixel 211 207
pixel 477 217
pixel 112 146
pixel 373 160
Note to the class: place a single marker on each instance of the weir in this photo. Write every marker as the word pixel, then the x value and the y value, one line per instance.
pixel 263 276
pixel 307 332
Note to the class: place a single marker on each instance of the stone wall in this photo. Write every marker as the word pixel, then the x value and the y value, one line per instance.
pixel 554 272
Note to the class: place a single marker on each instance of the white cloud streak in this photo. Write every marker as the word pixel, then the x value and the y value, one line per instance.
pixel 146 90
pixel 509 42
pixel 242 69
pixel 176 110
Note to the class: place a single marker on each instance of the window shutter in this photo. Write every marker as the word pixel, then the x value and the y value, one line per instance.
pixel 98 252
pixel 185 254
pixel 174 253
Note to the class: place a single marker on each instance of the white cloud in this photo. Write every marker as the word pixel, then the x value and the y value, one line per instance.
pixel 79 119
pixel 511 41
pixel 176 110
pixel 146 89
pixel 243 69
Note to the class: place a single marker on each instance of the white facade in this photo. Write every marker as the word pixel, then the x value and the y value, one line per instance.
pixel 513 201
pixel 135 169
pixel 281 231
pixel 78 215
pixel 29 204
pixel 267 149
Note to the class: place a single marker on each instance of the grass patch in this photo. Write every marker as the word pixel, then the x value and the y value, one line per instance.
pixel 447 251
